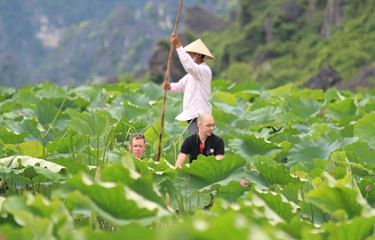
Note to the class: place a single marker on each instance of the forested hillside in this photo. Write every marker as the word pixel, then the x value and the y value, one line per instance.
pixel 76 42
pixel 316 43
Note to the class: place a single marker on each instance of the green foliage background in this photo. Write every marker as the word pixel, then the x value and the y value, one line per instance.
pixel 65 171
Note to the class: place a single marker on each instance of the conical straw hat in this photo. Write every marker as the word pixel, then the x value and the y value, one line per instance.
pixel 198 47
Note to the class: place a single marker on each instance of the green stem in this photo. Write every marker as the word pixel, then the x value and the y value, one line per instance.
pixel 312 214
pixel 55 117
pixel 97 149
pixel 72 147
pixel 50 126
pixel 88 149
pixel 32 186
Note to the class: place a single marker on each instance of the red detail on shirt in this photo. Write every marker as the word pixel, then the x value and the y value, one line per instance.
pixel 201 148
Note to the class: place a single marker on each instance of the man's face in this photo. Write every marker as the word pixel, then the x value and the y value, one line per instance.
pixel 194 56
pixel 207 126
pixel 138 148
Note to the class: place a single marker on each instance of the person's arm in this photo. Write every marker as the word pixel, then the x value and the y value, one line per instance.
pixel 177 87
pixel 180 160
pixel 219 157
pixel 197 70
pixel 175 40
pixel 180 85
pixel 184 152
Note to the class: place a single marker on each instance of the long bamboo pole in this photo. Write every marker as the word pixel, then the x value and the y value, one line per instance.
pixel 166 80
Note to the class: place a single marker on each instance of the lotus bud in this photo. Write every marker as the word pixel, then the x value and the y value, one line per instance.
pixel 244 183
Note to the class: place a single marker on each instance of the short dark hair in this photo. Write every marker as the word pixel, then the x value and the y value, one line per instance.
pixel 137 136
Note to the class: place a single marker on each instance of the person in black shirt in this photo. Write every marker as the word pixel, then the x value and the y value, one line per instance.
pixel 204 142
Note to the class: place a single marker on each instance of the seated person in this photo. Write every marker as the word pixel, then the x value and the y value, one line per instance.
pixel 137 145
pixel 204 142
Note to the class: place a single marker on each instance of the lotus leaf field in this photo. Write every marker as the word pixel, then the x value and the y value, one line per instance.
pixel 309 156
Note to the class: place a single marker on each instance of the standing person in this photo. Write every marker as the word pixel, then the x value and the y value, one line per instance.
pixel 204 142
pixel 137 145
pixel 196 84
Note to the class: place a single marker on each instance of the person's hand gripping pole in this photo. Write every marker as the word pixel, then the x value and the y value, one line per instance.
pixel 166 83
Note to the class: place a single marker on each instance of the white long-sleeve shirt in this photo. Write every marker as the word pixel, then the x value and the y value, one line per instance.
pixel 195 85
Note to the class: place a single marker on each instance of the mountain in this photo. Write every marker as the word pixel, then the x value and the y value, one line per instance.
pixel 75 42
pixel 31 30
pixel 313 43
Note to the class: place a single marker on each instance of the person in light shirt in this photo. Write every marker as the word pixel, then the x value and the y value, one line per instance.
pixel 196 84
